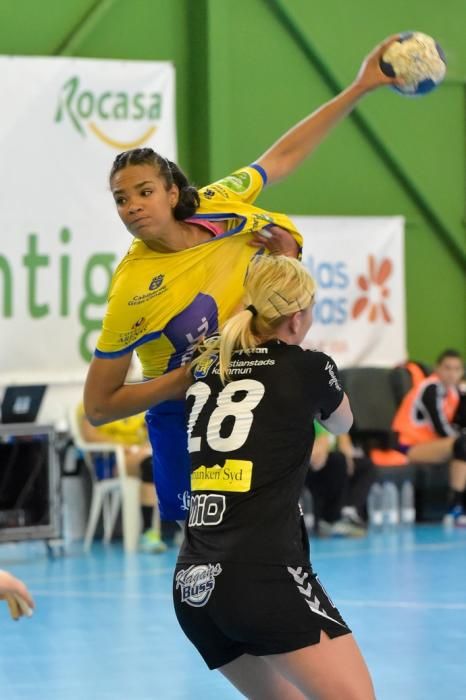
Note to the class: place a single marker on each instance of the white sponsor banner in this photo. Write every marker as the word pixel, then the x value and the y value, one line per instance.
pixel 358 264
pixel 63 122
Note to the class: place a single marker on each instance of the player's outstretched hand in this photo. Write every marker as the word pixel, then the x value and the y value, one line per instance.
pixel 17 596
pixel 277 240
pixel 370 74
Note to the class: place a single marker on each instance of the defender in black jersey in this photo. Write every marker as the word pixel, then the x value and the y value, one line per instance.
pixel 244 588
pixel 250 442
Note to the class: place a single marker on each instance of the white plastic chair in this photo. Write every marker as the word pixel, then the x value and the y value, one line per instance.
pixel 108 495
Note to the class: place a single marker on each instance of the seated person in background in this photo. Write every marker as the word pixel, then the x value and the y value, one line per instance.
pixel 459 419
pixel 16 594
pixel 339 480
pixel 427 432
pixel 131 433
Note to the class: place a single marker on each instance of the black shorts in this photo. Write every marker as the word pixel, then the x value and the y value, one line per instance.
pixel 228 609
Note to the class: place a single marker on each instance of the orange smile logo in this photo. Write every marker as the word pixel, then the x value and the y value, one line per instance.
pixel 375 291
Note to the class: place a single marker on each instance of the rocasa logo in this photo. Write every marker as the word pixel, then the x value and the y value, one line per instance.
pixel 102 112
pixel 375 291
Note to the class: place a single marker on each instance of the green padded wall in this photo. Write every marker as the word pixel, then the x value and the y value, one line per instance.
pixel 248 69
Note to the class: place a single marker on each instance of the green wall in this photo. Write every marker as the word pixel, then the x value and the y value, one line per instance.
pixel 244 77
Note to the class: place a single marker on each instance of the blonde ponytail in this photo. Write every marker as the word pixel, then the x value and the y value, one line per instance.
pixel 275 287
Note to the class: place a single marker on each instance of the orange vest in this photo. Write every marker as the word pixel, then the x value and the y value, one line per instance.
pixel 412 422
pixel 418 374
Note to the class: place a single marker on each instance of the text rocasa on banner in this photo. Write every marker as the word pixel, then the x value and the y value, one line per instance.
pixel 63 122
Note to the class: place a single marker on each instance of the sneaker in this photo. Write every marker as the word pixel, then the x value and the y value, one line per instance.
pixel 350 513
pixel 341 528
pixel 150 542
pixel 455 517
pixel 346 527
pixel 323 528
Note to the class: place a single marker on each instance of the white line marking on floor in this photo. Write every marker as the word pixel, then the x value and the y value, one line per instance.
pixel 390 549
pixel 101 576
pixel 121 595
pixel 401 604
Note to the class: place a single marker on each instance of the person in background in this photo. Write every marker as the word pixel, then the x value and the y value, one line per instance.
pixel 131 433
pixel 16 594
pixel 427 432
pixel 339 480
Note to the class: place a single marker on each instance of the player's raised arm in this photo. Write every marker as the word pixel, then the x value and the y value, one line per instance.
pixel 301 140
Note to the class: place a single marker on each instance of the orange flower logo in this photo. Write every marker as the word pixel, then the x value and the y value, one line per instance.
pixel 375 291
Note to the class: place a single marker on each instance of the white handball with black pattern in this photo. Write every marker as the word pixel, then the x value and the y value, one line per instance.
pixel 418 60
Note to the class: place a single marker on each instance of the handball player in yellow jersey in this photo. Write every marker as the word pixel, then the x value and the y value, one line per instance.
pixel 183 275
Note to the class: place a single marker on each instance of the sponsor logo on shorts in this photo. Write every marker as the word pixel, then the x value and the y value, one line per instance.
pixel 305 588
pixel 197 583
pixel 325 591
pixel 235 475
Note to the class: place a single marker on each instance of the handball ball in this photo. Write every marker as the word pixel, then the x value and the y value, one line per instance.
pixel 418 60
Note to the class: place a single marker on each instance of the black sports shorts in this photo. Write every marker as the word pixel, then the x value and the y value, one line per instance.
pixel 227 609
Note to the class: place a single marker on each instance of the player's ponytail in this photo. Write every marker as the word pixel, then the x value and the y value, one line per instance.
pixel 188 200
pixel 275 287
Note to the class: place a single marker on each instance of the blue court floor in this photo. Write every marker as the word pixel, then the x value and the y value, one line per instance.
pixel 104 628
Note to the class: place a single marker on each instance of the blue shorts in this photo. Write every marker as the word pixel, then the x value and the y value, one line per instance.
pixel 166 424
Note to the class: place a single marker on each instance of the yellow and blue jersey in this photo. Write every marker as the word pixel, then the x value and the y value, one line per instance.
pixel 161 304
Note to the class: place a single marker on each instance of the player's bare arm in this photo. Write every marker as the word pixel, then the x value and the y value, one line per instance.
pixel 301 140
pixel 107 397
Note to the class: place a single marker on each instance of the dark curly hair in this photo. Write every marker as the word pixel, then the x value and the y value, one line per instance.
pixel 188 200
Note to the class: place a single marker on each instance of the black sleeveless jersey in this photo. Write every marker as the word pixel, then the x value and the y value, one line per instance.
pixel 250 442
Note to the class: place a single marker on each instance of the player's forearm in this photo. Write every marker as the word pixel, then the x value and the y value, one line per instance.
pixel 300 141
pixel 130 399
